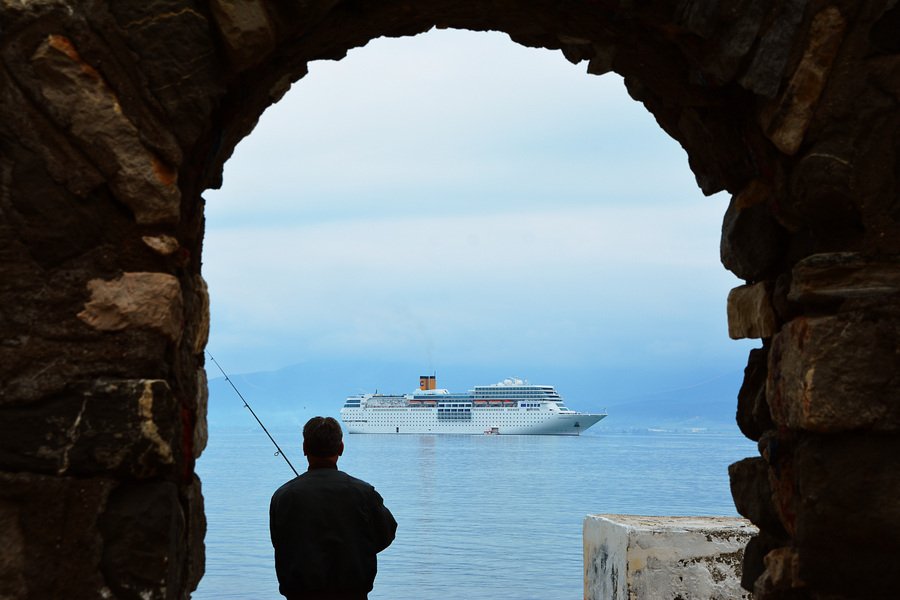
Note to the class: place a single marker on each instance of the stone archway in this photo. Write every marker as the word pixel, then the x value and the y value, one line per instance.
pixel 117 115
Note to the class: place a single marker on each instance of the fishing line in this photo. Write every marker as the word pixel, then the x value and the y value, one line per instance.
pixel 279 451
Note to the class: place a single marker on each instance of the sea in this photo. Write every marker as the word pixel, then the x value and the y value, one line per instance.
pixel 480 516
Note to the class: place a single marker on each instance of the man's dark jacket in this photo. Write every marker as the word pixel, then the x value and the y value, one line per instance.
pixel 326 528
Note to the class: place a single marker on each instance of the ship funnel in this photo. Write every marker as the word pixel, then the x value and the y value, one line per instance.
pixel 427 382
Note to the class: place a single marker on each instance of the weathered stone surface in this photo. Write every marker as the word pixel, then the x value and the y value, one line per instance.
pixel 136 300
pixel 50 546
pixel 201 332
pixel 180 69
pixel 752 240
pixel 844 276
pixel 782 574
pixel 201 430
pixel 754 566
pixel 246 28
pixel 163 244
pixel 629 556
pixel 750 312
pixel 884 33
pixel 753 495
pixel 848 517
pixel 787 124
pixel 735 29
pixel 839 373
pixel 131 428
pixel 192 498
pixel 823 196
pixel 764 75
pixel 143 520
pixel 753 417
pixel 82 102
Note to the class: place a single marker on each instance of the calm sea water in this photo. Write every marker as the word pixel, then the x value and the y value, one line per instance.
pixel 479 516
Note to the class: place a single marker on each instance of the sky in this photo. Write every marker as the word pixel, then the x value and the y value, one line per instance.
pixel 454 198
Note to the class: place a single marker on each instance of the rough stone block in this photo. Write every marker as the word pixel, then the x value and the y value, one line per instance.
pixel 246 29
pixel 787 123
pixel 753 416
pixel 753 495
pixel 837 373
pixel 750 312
pixel 128 427
pixel 49 544
pixel 754 558
pixel 82 102
pixel 201 428
pixel 143 529
pixel 151 300
pixel 752 240
pixel 764 75
pixel 664 557
pixel 843 276
pixel 848 517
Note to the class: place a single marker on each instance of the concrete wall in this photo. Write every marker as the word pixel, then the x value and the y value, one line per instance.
pixel 664 558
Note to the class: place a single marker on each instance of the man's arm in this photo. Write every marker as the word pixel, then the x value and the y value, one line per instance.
pixel 384 525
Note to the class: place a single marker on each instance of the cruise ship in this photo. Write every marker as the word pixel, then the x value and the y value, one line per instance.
pixel 511 407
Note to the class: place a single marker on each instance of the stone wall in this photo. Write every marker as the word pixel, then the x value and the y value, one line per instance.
pixel 115 116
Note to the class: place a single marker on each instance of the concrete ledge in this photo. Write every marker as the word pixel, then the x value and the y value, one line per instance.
pixel 637 558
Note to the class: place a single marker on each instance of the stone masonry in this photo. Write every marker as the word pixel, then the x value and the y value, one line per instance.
pixel 116 116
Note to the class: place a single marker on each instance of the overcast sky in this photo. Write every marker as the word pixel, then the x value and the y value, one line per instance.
pixel 455 198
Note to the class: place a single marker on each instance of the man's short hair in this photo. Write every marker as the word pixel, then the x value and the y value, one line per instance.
pixel 322 436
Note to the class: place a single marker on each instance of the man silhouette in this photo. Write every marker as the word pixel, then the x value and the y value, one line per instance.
pixel 327 526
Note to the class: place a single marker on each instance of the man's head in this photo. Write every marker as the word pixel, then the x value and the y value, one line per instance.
pixel 322 438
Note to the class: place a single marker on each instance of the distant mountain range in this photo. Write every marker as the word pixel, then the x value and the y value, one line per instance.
pixel 637 399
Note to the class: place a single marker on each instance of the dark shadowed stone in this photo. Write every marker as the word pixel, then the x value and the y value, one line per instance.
pixel 765 73
pixel 753 495
pixel 247 29
pixel 735 32
pixel 838 276
pixel 849 517
pixel 840 373
pixel 25 361
pixel 822 195
pixel 884 34
pixel 785 310
pixel 787 120
pixel 126 427
pixel 753 416
pixel 174 42
pixel 752 240
pixel 699 16
pixel 753 564
pixel 196 531
pixel 80 101
pixel 776 447
pixel 49 543
pixel 143 529
pixel 703 132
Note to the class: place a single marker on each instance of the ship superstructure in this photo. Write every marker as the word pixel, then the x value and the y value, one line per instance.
pixel 511 407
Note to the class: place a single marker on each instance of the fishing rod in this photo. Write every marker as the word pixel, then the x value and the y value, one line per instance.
pixel 279 451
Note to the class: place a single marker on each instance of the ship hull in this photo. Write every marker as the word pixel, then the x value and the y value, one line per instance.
pixel 512 421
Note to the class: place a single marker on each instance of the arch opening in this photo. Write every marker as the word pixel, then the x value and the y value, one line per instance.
pixel 566 273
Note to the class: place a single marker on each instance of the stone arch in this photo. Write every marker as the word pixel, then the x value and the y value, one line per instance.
pixel 117 115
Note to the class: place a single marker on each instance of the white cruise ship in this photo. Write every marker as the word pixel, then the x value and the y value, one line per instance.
pixel 511 407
